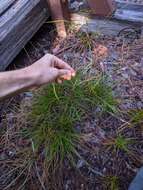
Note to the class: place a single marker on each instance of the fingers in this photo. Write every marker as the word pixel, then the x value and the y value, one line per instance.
pixel 64 74
pixel 59 81
pixel 59 64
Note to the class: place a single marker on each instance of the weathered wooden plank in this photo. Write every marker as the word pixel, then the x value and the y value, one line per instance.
pixel 4 5
pixel 130 2
pixel 102 26
pixel 59 13
pixel 129 11
pixel 129 15
pixel 18 25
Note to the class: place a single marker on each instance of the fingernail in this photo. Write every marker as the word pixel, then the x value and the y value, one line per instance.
pixel 73 74
pixel 59 81
pixel 68 77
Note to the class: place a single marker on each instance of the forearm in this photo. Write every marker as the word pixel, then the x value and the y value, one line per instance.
pixel 13 82
pixel 46 70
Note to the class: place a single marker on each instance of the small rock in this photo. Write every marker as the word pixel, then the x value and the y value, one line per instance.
pixel 125 75
pixel 68 184
pixel 139 105
pixel 11 153
pixel 28 94
pixel 80 164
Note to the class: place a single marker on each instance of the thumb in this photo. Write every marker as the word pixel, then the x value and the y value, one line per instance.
pixel 64 74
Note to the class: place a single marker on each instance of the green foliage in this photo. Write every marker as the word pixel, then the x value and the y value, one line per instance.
pixel 122 143
pixel 56 109
pixel 72 27
pixel 136 116
pixel 101 94
pixel 112 182
pixel 85 39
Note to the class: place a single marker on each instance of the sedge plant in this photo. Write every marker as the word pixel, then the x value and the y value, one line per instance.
pixel 55 111
pixel 111 182
pixel 119 143
pixel 136 116
pixel 122 143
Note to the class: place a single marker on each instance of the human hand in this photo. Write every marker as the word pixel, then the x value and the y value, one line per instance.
pixel 50 69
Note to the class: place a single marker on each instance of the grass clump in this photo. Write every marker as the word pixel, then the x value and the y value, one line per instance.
pixel 122 143
pixel 136 116
pixel 119 143
pixel 85 40
pixel 112 182
pixel 102 95
pixel 55 111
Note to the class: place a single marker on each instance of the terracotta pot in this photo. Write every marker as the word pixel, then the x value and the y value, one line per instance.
pixel 102 7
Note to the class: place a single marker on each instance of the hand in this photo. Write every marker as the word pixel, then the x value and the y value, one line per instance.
pixel 51 69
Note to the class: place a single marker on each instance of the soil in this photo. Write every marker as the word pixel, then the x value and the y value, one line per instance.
pixel 122 61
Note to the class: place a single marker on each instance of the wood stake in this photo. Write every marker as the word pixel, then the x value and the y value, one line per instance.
pixel 60 13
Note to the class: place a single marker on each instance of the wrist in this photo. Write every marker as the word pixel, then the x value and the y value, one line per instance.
pixel 28 77
pixel 33 76
pixel 13 82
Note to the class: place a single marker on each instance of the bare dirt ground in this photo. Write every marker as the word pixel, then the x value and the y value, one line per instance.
pixel 109 168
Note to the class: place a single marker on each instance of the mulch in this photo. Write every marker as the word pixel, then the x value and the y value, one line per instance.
pixel 122 62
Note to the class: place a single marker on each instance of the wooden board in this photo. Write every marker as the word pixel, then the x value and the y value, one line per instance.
pixel 60 13
pixel 4 5
pixel 129 15
pixel 101 26
pixel 131 2
pixel 17 25
pixel 129 11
